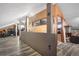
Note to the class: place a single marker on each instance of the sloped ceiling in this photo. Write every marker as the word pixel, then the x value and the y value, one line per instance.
pixel 71 13
pixel 10 12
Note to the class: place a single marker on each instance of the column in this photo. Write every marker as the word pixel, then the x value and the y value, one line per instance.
pixel 55 24
pixel 50 30
pixel 49 18
pixel 16 30
pixel 63 35
pixel 27 24
pixel 19 27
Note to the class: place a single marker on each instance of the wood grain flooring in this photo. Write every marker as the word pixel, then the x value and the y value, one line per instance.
pixel 12 46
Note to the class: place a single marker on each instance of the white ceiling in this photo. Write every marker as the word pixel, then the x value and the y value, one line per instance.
pixel 71 13
pixel 10 12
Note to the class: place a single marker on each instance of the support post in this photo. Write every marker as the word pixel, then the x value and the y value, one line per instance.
pixel 49 18
pixel 63 35
pixel 19 27
pixel 16 30
pixel 50 30
pixel 55 24
pixel 27 24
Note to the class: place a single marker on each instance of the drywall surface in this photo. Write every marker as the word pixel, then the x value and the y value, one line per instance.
pixel 40 42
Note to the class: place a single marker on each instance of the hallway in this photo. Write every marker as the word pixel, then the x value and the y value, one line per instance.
pixel 12 46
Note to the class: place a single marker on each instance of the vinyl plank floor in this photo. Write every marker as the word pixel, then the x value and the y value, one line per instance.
pixel 12 46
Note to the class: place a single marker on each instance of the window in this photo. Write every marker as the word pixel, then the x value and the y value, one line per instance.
pixel 37 23
pixel 59 23
pixel 40 22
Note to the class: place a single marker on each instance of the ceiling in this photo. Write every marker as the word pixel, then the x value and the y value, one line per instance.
pixel 10 12
pixel 71 13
